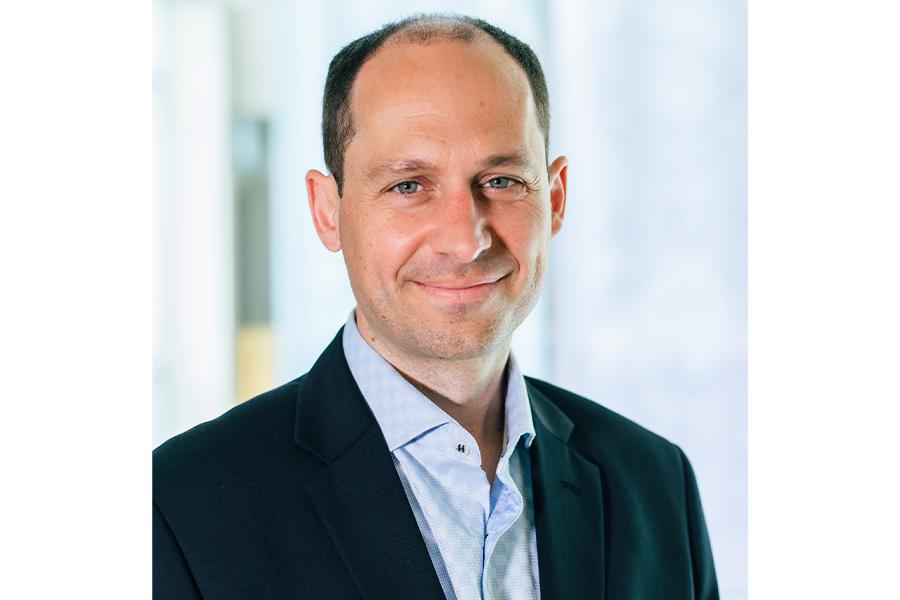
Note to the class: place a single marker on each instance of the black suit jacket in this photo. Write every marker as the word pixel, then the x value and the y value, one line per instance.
pixel 294 494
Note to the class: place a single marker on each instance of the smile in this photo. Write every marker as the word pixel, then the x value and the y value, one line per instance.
pixel 456 292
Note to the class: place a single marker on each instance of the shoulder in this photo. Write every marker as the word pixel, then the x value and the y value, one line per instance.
pixel 248 434
pixel 608 438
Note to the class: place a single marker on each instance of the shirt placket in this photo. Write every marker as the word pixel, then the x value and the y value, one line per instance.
pixel 455 442
pixel 506 512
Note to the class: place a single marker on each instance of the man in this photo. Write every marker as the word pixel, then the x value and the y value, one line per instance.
pixel 414 460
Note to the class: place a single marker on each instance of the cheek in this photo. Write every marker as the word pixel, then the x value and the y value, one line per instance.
pixel 526 232
pixel 379 244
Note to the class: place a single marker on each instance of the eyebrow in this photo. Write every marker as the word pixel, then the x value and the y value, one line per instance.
pixel 514 159
pixel 403 167
pixel 400 167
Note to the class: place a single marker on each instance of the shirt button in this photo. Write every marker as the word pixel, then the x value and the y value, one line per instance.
pixel 462 448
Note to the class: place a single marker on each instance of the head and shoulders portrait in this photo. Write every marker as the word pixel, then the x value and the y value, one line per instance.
pixel 416 458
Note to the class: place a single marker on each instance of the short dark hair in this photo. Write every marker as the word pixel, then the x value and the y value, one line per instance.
pixel 337 122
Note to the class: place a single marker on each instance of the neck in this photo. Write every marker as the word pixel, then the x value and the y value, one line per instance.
pixel 472 390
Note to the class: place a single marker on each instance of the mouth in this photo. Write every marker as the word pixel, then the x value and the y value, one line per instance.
pixel 461 291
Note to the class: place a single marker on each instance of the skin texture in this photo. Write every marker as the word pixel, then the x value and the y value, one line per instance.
pixel 446 219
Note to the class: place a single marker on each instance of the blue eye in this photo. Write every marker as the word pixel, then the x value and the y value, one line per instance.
pixel 501 183
pixel 407 187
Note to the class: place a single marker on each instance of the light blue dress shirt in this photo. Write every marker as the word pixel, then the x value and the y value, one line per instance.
pixel 481 538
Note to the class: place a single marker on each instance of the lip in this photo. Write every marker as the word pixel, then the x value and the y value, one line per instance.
pixel 455 291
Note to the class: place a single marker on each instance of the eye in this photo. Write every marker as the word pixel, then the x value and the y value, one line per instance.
pixel 407 187
pixel 501 183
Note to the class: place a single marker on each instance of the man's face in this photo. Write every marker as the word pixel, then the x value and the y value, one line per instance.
pixel 447 207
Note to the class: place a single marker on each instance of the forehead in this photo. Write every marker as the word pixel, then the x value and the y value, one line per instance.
pixel 449 92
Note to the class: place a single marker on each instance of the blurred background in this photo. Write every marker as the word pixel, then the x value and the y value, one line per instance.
pixel 645 308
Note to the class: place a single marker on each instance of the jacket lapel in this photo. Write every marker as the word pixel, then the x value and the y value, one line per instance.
pixel 358 494
pixel 568 508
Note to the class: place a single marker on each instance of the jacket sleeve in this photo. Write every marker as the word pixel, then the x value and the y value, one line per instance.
pixel 704 571
pixel 171 575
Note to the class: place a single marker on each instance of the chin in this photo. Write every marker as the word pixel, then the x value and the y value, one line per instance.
pixel 461 340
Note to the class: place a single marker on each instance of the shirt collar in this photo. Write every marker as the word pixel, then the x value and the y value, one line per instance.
pixel 404 413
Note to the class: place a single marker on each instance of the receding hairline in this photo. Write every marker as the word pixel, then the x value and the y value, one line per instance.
pixel 427 28
pixel 480 38
pixel 473 36
pixel 418 34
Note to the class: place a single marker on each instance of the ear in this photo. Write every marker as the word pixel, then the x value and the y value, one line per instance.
pixel 324 205
pixel 558 173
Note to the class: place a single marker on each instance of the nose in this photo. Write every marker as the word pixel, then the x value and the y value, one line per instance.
pixel 461 228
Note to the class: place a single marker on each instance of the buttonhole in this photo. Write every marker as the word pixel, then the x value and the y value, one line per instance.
pixel 573 487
